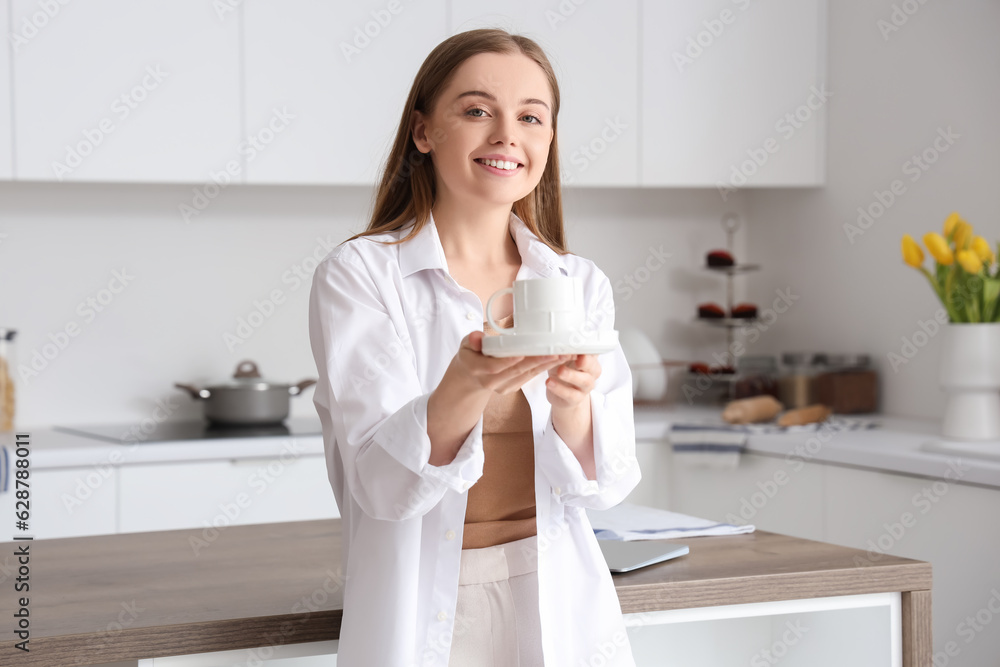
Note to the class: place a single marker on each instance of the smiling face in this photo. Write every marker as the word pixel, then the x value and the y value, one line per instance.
pixel 489 132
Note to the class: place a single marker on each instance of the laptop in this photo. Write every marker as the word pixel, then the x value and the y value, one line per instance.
pixel 623 556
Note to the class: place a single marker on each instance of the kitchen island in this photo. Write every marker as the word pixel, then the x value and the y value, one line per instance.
pixel 267 588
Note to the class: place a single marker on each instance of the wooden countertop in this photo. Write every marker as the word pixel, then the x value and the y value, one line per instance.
pixel 140 595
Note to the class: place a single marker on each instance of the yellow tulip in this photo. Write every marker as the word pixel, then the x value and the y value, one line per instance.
pixel 938 248
pixel 970 261
pixel 950 222
pixel 982 248
pixel 963 234
pixel 912 254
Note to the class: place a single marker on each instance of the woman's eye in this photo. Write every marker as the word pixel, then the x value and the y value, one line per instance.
pixel 536 119
pixel 472 112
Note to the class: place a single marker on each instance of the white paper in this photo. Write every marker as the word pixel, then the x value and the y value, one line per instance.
pixel 627 521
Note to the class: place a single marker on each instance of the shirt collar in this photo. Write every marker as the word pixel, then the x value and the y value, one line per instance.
pixel 424 251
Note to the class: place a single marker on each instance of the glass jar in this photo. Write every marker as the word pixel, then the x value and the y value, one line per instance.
pixel 8 371
pixel 756 375
pixel 797 383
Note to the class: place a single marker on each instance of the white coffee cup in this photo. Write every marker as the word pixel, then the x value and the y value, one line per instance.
pixel 543 305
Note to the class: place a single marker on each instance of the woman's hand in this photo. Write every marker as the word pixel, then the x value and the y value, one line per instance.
pixel 502 375
pixel 570 383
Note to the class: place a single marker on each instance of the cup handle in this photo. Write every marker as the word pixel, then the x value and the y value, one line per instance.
pixel 489 310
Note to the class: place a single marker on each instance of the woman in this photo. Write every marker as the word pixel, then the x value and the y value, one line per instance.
pixel 462 479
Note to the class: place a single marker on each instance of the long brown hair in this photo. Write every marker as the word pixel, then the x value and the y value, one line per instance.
pixel 407 188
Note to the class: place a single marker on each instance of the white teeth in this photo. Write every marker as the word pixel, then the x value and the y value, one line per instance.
pixel 500 164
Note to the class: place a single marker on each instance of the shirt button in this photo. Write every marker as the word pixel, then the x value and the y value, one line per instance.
pixel 466 485
pixel 470 316
pixel 450 535
pixel 442 616
pixel 557 490
pixel 592 484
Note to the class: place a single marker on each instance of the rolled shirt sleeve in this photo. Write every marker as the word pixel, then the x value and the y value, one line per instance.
pixel 613 426
pixel 370 397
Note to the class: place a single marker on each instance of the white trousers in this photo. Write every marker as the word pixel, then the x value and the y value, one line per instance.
pixel 496 621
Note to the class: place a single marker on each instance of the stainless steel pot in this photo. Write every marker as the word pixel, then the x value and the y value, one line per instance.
pixel 247 398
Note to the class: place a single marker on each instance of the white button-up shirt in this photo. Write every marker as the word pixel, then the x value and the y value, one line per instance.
pixel 385 322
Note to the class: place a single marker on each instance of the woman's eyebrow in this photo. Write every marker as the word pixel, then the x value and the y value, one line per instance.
pixel 492 98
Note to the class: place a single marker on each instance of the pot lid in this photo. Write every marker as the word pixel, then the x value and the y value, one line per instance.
pixel 247 376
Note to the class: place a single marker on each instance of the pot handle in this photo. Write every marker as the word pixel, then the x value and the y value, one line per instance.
pixel 246 369
pixel 296 389
pixel 193 390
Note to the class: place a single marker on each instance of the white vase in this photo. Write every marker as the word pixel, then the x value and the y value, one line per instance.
pixel 970 374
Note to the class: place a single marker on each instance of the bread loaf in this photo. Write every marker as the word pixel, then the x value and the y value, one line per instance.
pixel 811 414
pixel 752 410
pixel 6 397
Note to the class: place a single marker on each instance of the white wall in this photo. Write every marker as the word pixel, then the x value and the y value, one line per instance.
pixel 193 281
pixel 941 69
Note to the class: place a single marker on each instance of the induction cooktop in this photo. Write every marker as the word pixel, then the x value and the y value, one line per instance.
pixel 195 429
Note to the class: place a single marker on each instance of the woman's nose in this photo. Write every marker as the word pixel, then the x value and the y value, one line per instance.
pixel 504 131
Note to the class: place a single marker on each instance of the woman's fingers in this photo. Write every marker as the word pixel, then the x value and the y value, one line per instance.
pixel 528 369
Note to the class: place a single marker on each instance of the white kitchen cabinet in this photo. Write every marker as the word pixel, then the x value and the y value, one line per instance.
pixel 113 90
pixel 65 502
pixel 733 93
pixel 6 146
pixel 950 525
pixel 653 489
pixel 342 72
pixel 593 49
pixel 953 526
pixel 770 492
pixel 169 496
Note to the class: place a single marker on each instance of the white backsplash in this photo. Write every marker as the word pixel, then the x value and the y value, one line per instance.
pixel 174 312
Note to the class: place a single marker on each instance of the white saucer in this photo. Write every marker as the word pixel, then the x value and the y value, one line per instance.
pixel 530 345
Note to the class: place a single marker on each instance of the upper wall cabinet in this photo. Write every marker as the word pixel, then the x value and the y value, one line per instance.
pixel 593 49
pixel 671 93
pixel 733 93
pixel 114 90
pixel 6 148
pixel 326 83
